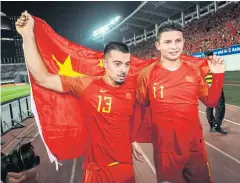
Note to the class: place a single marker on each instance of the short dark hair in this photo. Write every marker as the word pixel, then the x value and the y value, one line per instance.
pixel 208 53
pixel 169 25
pixel 119 46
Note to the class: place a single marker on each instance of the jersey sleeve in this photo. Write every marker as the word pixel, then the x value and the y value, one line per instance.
pixel 136 121
pixel 141 126
pixel 142 89
pixel 211 95
pixel 142 84
pixel 75 85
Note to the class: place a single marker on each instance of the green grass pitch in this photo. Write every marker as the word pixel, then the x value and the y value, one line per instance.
pixel 12 92
pixel 232 92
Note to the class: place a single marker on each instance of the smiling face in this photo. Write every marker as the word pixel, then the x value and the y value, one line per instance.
pixel 170 45
pixel 170 41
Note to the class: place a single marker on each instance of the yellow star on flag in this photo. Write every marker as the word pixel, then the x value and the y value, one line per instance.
pixel 100 63
pixel 66 68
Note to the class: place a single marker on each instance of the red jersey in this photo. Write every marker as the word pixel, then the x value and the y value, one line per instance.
pixel 107 111
pixel 173 97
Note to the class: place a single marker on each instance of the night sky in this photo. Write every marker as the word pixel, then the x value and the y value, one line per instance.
pixel 74 20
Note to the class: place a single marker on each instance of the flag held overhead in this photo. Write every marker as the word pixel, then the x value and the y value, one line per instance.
pixel 59 116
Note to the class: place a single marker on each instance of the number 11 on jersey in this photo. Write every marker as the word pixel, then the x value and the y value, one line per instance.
pixel 161 91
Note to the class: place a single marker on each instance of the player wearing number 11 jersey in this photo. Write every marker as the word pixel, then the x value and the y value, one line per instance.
pixel 172 87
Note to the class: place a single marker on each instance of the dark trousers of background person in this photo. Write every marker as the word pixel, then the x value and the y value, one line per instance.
pixel 219 112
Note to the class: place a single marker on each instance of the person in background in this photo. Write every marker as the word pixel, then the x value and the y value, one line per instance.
pixel 215 122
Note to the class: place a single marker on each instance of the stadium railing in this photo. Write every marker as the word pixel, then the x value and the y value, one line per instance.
pixel 14 112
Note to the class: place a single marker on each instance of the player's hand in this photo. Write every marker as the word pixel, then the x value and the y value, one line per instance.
pixel 25 24
pixel 13 177
pixel 28 176
pixel 137 152
pixel 216 64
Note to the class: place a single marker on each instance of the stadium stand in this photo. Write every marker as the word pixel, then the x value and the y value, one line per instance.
pixel 8 71
pixel 216 30
pixel 12 59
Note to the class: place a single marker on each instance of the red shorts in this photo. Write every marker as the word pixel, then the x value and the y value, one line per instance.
pixel 191 167
pixel 120 173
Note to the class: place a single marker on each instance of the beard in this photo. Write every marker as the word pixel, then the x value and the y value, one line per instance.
pixel 119 82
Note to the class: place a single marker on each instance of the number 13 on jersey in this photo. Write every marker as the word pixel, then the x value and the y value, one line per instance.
pixel 104 104
pixel 161 91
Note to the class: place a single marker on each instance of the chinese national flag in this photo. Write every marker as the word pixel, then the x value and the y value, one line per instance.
pixel 58 116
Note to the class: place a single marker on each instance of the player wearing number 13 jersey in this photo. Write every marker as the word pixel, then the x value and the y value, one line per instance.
pixel 108 105
pixel 172 87
pixel 107 111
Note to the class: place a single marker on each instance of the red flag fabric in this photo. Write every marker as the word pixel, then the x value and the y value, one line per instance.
pixel 58 116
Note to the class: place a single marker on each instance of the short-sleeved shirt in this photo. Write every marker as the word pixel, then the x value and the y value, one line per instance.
pixel 108 111
pixel 173 98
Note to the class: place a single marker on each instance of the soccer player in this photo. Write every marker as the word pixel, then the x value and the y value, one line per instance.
pixel 107 103
pixel 172 88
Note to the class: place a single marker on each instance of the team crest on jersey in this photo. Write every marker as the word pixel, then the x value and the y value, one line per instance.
pixel 128 95
pixel 190 79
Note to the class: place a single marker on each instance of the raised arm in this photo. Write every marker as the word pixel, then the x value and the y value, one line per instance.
pixel 34 62
pixel 211 95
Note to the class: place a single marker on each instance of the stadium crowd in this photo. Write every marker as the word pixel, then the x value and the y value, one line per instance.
pixel 8 71
pixel 215 30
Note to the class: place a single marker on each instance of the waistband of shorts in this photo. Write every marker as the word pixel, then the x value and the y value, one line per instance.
pixel 95 167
